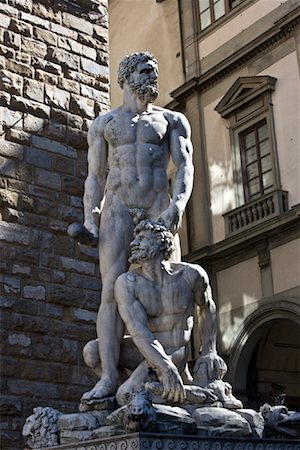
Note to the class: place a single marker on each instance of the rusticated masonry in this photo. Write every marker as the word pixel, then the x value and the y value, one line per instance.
pixel 53 82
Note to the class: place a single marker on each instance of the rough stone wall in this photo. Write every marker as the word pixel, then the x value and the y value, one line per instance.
pixel 53 82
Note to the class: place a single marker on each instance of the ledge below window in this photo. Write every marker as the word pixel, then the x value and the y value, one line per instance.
pixel 255 212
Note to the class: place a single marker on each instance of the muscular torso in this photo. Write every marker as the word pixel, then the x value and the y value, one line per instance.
pixel 169 307
pixel 138 154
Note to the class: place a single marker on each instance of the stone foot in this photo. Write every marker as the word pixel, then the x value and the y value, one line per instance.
pixel 104 388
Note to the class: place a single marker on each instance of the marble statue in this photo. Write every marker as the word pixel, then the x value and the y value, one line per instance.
pixel 129 151
pixel 157 302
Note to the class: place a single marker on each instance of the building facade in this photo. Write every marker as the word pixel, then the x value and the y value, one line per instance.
pixel 232 67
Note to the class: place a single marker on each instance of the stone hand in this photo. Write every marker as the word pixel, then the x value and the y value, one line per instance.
pixel 213 366
pixel 81 234
pixel 173 389
pixel 171 218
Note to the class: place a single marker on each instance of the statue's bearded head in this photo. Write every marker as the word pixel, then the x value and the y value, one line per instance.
pixel 151 239
pixel 140 71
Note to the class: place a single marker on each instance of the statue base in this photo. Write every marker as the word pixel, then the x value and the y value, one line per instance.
pixel 154 441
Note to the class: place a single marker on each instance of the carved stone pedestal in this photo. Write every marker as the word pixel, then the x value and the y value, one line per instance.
pixel 151 441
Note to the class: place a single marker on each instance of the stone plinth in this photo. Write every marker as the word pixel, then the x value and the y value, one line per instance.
pixel 151 441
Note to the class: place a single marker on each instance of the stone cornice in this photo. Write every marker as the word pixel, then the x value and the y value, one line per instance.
pixel 286 227
pixel 281 30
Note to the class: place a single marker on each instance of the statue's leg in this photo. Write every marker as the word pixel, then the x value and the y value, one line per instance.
pixel 116 233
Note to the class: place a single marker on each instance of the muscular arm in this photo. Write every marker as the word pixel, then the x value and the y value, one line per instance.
pixel 95 181
pixel 181 152
pixel 135 318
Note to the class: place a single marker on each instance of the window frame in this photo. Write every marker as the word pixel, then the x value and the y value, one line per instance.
pixel 228 9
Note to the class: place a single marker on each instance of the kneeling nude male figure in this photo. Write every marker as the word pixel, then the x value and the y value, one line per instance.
pixel 157 304
pixel 129 151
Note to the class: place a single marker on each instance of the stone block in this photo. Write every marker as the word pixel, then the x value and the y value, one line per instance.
pixel 82 106
pixel 34 90
pixel 47 13
pixel 19 269
pixel 101 33
pixel 57 97
pixel 55 131
pixel 72 185
pixel 12 39
pixel 85 282
pixel 76 138
pixel 48 179
pixel 11 82
pixel 80 77
pixel 45 36
pixel 77 23
pixel 20 68
pixel 45 77
pixel 18 136
pixel 63 58
pixel 64 31
pixel 7 52
pixel 78 266
pixel 33 124
pixel 90 67
pixel 12 215
pixel 5 20
pixel 4 98
pixel 24 5
pixel 89 52
pixel 26 388
pixel 30 106
pixel 64 165
pixel 39 158
pixel 46 66
pixel 75 121
pixel 11 406
pixel 19 339
pixel 54 147
pixel 12 150
pixel 9 10
pixel 34 292
pixel 9 198
pixel 35 20
pixel 69 85
pixel 23 28
pixel 11 285
pixel 70 45
pixel 6 302
pixel 34 47
pixel 88 91
pixel 7 167
pixel 82 315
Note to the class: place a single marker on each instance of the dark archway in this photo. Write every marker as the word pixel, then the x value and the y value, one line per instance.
pixel 265 360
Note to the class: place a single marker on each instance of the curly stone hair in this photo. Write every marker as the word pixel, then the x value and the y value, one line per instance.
pixel 162 234
pixel 129 64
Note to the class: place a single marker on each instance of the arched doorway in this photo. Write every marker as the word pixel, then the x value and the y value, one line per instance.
pixel 265 360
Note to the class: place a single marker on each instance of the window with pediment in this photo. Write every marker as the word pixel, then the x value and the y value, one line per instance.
pixel 248 108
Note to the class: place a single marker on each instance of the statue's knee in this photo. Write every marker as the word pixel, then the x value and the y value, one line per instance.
pixel 90 354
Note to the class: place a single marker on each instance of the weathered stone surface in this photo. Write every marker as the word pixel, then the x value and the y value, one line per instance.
pixel 107 404
pixel 70 45
pixel 45 36
pixel 11 82
pixel 216 422
pixel 77 23
pixel 63 58
pixel 22 28
pixel 5 20
pixel 34 47
pixel 12 39
pixel 45 77
pixel 48 179
pixel 69 85
pixel 82 106
pixel 4 98
pixel 57 97
pixel 36 292
pixel 255 420
pixel 34 90
pixel 18 136
pixel 91 67
pixel 30 106
pixel 20 68
pixel 83 315
pixel 64 31
pixel 47 66
pixel 35 20
pixel 82 421
pixel 11 406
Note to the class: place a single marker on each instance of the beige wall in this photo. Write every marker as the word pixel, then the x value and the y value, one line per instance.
pixel 144 25
pixel 286 276
pixel 239 290
pixel 236 25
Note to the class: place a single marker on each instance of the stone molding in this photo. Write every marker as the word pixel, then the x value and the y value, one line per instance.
pixel 282 30
pixel 149 441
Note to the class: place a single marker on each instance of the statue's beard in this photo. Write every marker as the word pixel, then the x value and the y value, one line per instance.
pixel 138 256
pixel 147 92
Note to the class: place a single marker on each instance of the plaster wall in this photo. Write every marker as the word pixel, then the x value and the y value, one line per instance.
pixel 239 290
pixel 286 276
pixel 236 25
pixel 157 27
pixel 286 101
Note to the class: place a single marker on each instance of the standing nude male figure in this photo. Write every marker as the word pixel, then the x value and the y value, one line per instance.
pixel 129 151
